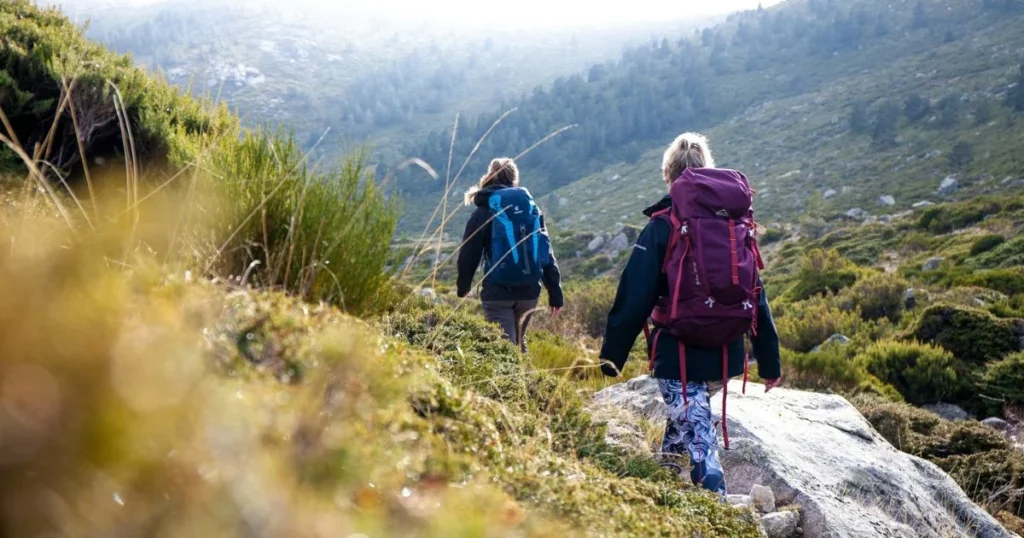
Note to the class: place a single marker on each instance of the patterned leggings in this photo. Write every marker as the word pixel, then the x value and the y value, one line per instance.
pixel 690 430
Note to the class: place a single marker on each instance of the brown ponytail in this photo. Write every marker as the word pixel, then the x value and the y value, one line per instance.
pixel 502 171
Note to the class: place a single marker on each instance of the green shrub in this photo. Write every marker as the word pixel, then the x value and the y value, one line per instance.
pixel 322 236
pixel 832 368
pixel 878 296
pixel 986 243
pixel 822 272
pixel 1007 254
pixel 771 235
pixel 805 325
pixel 1008 281
pixel 1008 307
pixel 920 372
pixel 972 335
pixel 946 218
pixel 1004 380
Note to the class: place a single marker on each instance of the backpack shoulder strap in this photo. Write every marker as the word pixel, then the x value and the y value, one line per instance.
pixel 670 218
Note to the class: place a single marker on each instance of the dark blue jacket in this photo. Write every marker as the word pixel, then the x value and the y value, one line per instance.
pixel 477 245
pixel 642 284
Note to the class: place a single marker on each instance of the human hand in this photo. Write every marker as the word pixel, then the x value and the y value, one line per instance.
pixel 555 310
pixel 770 384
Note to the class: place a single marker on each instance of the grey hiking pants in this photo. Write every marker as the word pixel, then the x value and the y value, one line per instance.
pixel 512 316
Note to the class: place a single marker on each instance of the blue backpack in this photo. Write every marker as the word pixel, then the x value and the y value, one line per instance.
pixel 519 246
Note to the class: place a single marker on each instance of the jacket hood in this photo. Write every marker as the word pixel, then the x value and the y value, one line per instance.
pixel 662 204
pixel 483 196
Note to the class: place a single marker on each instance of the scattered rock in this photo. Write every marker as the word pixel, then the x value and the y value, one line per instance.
pixel 829 194
pixel 934 154
pixel 856 213
pixel 562 202
pixel 613 178
pixel 948 186
pixel 932 264
pixel 947 411
pixel 740 500
pixel 781 524
pixel 595 244
pixel 429 294
pixel 923 204
pixel 910 299
pixel 997 424
pixel 834 339
pixel 817 451
pixel 618 227
pixel 764 499
pixel 620 242
pixel 887 200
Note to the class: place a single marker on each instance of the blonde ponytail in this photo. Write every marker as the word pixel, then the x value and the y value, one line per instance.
pixel 688 150
pixel 502 171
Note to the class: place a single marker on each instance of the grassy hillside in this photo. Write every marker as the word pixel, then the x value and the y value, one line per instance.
pixel 796 149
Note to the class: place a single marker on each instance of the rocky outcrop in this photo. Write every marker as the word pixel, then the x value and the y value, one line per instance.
pixel 817 451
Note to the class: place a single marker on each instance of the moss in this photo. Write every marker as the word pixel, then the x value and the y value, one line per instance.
pixel 972 335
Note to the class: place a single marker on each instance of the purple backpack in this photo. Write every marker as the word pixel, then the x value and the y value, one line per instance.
pixel 712 264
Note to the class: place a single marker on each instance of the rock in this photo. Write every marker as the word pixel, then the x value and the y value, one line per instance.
pixel 620 242
pixel 910 299
pixel 618 227
pixel 948 186
pixel 740 500
pixel 829 194
pixel 923 204
pixel 781 524
pixel 947 411
pixel 764 499
pixel 997 424
pixel 834 339
pixel 595 244
pixel 429 294
pixel 856 213
pixel 562 202
pixel 934 154
pixel 613 178
pixel 817 451
pixel 887 200
pixel 932 264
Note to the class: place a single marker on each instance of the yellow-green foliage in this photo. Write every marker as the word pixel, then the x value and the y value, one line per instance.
pixel 830 368
pixel 1004 381
pixel 586 309
pixel 1008 281
pixel 878 296
pixel 920 372
pixel 822 272
pixel 805 325
pixel 986 243
pixel 971 334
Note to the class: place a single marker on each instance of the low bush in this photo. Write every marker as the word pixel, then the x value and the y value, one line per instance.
pixel 1008 281
pixel 1006 255
pixel 830 368
pixel 805 325
pixel 771 235
pixel 921 373
pixel 1004 381
pixel 970 334
pixel 878 296
pixel 986 243
pixel 992 478
pixel 946 218
pixel 822 272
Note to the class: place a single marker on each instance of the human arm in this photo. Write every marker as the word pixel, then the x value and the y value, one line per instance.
pixel 551 276
pixel 472 251
pixel 636 297
pixel 766 344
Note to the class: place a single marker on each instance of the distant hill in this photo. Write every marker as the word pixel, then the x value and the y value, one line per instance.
pixel 776 90
pixel 316 66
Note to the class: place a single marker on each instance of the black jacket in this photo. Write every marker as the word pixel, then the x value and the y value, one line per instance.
pixel 477 245
pixel 642 284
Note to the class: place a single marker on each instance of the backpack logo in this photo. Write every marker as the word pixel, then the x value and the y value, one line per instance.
pixel 747 305
pixel 710 302
pixel 723 213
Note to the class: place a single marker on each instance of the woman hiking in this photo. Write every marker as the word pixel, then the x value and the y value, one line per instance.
pixel 694 273
pixel 507 232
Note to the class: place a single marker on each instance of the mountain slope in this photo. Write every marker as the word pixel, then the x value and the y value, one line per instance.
pixel 799 49
pixel 795 148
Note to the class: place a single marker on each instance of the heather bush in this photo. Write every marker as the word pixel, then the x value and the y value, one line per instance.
pixel 804 325
pixel 921 373
pixel 822 272
pixel 878 296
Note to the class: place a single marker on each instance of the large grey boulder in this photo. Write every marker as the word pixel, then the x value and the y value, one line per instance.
pixel 948 411
pixel 818 452
pixel 595 244
pixel 620 242
pixel 948 186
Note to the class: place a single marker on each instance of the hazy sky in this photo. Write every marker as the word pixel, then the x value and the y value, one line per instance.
pixel 508 13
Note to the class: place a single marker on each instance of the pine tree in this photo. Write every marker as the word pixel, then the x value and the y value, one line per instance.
pixel 859 122
pixel 916 108
pixel 961 156
pixel 886 125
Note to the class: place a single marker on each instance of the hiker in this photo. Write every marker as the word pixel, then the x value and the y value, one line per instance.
pixel 694 273
pixel 507 231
